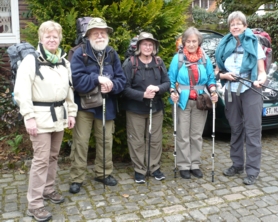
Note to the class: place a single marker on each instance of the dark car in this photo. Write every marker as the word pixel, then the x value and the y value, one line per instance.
pixel 270 106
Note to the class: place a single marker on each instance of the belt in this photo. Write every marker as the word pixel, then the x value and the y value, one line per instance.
pixel 52 110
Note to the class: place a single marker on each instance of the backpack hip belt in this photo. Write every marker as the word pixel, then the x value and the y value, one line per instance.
pixel 52 110
pixel 187 87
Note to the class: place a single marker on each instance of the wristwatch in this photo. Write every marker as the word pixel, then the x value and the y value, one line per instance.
pixel 217 77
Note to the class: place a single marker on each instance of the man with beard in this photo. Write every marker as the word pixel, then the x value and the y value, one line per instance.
pixel 86 76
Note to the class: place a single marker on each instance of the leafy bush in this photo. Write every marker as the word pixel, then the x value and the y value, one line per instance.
pixel 202 16
pixel 8 111
pixel 14 143
pixel 128 18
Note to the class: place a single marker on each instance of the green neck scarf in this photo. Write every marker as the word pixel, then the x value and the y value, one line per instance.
pixel 53 58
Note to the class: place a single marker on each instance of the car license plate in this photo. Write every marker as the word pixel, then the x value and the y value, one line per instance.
pixel 270 111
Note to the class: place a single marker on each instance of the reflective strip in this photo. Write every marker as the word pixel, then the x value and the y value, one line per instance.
pixel 186 87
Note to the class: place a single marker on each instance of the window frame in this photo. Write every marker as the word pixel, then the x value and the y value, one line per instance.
pixel 14 37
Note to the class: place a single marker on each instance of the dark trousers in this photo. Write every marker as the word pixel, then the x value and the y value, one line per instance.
pixel 244 114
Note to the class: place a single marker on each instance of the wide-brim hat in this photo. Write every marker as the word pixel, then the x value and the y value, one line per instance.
pixel 98 23
pixel 147 36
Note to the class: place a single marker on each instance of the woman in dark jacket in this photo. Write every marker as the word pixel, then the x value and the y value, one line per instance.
pixel 147 81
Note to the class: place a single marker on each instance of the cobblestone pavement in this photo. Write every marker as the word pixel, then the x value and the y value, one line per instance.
pixel 174 199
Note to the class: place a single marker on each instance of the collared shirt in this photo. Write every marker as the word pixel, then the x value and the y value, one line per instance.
pixel 233 64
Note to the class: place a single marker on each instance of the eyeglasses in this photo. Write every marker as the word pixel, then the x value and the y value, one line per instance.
pixel 150 45
pixel 96 34
pixel 235 24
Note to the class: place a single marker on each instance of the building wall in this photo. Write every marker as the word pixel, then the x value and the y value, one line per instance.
pixel 23 9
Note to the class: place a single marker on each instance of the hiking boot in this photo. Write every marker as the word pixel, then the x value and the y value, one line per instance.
pixel 249 180
pixel 158 175
pixel 197 173
pixel 139 178
pixel 109 181
pixel 232 171
pixel 54 197
pixel 75 187
pixel 185 174
pixel 40 214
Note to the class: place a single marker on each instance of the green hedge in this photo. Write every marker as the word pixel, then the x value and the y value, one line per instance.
pixel 128 18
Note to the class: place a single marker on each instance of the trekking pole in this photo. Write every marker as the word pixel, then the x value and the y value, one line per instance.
pixel 175 138
pixel 253 89
pixel 103 118
pixel 103 133
pixel 248 80
pixel 150 135
pixel 213 137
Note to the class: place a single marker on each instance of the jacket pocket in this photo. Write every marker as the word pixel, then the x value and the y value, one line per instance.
pixel 44 120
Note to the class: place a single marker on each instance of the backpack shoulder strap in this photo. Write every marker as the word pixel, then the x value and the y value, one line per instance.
pixel 204 57
pixel 180 58
pixel 158 61
pixel 37 66
pixel 84 54
pixel 112 55
pixel 134 62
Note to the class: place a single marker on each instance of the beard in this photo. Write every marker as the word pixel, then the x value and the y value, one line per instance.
pixel 99 44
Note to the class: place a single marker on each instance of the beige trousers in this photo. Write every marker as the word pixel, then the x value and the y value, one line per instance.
pixel 42 176
pixel 190 126
pixel 137 127
pixel 79 150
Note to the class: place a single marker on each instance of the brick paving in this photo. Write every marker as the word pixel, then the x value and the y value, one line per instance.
pixel 171 200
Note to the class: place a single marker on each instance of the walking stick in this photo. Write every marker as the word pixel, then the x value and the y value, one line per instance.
pixel 213 137
pixel 175 138
pixel 248 80
pixel 103 133
pixel 150 135
pixel 100 55
pixel 253 89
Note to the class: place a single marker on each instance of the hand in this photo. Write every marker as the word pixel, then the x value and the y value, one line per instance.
pixel 175 97
pixel 229 76
pixel 31 127
pixel 106 84
pixel 149 93
pixel 259 83
pixel 153 88
pixel 71 122
pixel 214 97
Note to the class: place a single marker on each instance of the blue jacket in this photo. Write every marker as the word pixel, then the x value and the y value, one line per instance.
pixel 206 77
pixel 85 78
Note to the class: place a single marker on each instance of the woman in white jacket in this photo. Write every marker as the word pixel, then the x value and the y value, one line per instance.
pixel 47 104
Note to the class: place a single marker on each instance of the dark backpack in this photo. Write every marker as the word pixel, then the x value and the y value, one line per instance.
pixel 265 42
pixel 17 53
pixel 81 27
pixel 132 47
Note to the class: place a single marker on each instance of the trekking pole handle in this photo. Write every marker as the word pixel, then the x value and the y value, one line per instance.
pixel 151 111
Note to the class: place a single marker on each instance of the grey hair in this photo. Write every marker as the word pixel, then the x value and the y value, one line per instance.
pixel 138 51
pixel 192 31
pixel 237 15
